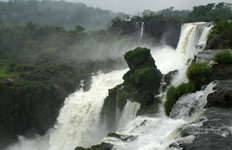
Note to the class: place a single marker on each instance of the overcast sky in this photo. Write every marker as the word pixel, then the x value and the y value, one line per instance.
pixel 135 6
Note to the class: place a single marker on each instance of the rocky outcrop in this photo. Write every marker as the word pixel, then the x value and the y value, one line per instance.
pixel 102 146
pixel 222 97
pixel 221 72
pixel 140 84
pixel 219 42
pixel 210 132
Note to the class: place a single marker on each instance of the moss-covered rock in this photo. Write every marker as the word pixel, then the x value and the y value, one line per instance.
pixel 139 58
pixel 140 84
pixel 101 146
pixel 199 73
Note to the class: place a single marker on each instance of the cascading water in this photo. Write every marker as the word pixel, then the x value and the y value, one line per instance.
pixel 78 122
pixel 142 30
pixel 146 133
pixel 129 113
pixel 191 35
pixel 191 104
pixel 139 29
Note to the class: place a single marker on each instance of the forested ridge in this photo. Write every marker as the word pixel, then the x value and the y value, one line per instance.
pixel 58 13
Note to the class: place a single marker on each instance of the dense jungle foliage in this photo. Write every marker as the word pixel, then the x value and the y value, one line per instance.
pixel 41 65
pixel 53 44
pixel 211 12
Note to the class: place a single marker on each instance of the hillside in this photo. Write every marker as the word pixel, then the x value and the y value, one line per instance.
pixel 58 13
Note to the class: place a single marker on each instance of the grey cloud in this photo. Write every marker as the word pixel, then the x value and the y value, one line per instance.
pixel 134 6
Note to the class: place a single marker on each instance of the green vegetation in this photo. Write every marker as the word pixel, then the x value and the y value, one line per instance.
pixel 170 12
pixel 41 65
pixel 165 14
pixel 96 147
pixel 147 78
pixel 211 12
pixel 59 13
pixel 112 134
pixel 80 148
pixel 174 93
pixel 52 44
pixel 223 57
pixel 198 73
pixel 139 58
pixel 31 97
pixel 140 84
pixel 143 74
pixel 221 35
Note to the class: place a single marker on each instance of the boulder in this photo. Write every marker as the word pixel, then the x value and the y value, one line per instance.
pixel 222 97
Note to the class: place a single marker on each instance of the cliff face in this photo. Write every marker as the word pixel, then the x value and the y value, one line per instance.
pixel 161 30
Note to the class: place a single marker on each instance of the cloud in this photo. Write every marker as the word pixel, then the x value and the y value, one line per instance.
pixel 133 7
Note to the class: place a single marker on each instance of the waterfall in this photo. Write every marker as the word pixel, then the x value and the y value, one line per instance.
pixel 147 133
pixel 79 122
pixel 129 113
pixel 142 30
pixel 139 29
pixel 191 35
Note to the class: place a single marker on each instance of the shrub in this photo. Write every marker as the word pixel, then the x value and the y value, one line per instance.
pixel 148 78
pixel 223 57
pixel 198 73
pixel 139 58
pixel 80 148
pixel 174 93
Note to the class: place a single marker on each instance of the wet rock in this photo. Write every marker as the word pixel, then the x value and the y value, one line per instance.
pixel 210 141
pixel 211 132
pixel 102 146
pixel 221 72
pixel 222 97
pixel 169 76
pixel 218 42
pixel 87 83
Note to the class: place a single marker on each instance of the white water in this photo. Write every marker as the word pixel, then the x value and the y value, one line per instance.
pixel 129 113
pixel 191 104
pixel 139 29
pixel 142 30
pixel 149 133
pixel 78 122
pixel 191 35
pixel 167 59
pixel 146 133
